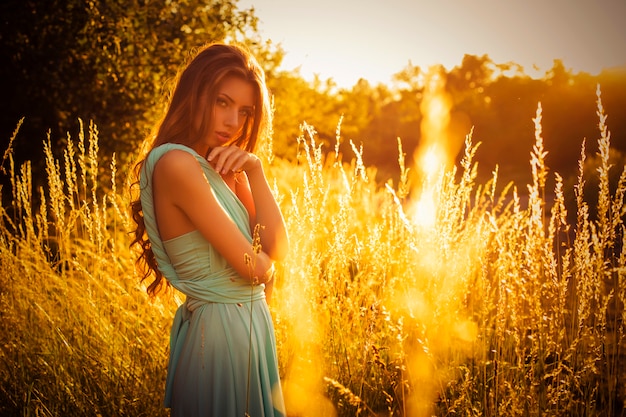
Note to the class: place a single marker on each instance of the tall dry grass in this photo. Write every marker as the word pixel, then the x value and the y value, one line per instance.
pixel 79 337
pixel 499 306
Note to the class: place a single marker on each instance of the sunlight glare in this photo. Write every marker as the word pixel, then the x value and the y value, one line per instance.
pixel 431 162
pixel 431 157
pixel 424 211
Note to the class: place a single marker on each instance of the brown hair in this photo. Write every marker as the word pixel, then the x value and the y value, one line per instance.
pixel 196 86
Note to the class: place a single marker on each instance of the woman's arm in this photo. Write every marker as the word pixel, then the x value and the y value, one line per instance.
pixel 272 232
pixel 185 196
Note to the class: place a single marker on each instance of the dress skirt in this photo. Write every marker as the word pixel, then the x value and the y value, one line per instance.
pixel 222 370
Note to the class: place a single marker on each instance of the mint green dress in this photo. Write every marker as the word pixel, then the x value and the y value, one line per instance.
pixel 218 365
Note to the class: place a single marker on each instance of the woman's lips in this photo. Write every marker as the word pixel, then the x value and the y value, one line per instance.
pixel 223 137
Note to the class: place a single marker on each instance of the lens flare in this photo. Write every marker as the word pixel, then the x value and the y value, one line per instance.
pixel 431 157
pixel 431 166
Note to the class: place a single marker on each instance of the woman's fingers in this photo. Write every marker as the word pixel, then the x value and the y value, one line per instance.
pixel 222 158
pixel 231 158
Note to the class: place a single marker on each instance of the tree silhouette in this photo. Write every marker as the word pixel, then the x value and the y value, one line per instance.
pixel 110 62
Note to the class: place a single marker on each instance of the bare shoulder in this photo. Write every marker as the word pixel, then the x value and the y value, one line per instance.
pixel 179 181
pixel 176 164
pixel 178 171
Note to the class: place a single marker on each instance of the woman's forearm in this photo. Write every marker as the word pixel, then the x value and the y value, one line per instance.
pixel 273 235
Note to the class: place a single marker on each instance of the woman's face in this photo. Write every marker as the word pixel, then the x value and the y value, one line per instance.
pixel 234 104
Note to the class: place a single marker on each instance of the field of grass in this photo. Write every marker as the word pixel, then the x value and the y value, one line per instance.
pixel 497 305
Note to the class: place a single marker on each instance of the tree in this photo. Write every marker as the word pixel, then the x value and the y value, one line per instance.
pixel 297 101
pixel 107 61
pixel 474 73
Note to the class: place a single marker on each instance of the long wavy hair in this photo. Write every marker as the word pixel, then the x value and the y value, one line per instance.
pixel 196 88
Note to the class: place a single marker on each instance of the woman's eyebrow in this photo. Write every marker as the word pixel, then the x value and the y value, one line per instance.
pixel 229 98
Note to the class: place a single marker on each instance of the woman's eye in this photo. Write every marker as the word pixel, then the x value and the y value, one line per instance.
pixel 245 113
pixel 221 102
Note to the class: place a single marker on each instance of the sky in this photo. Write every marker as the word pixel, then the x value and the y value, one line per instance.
pixel 373 39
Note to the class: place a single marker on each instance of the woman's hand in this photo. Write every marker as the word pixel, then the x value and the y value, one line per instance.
pixel 227 159
pixel 274 240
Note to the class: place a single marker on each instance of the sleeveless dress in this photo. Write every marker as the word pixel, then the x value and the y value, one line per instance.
pixel 218 366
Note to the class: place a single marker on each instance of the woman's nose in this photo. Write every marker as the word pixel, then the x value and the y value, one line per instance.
pixel 232 118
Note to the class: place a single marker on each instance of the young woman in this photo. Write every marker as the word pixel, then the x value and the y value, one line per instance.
pixel 208 223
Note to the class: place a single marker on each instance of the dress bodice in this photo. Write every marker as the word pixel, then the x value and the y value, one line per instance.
pixel 189 262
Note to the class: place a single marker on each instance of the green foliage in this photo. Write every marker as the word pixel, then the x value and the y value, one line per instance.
pixel 296 99
pixel 496 100
pixel 107 61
